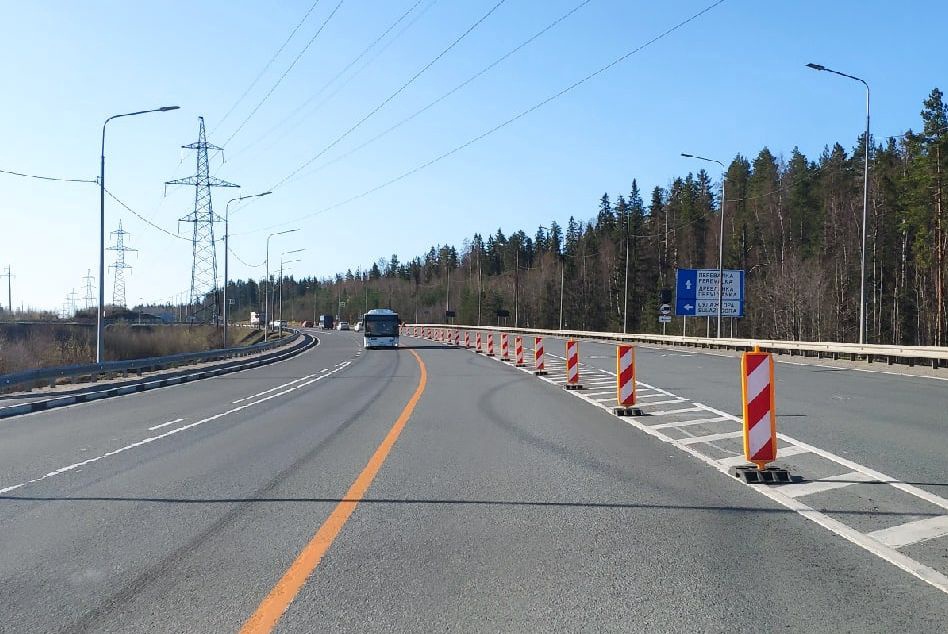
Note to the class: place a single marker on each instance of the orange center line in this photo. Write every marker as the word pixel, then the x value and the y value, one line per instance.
pixel 271 609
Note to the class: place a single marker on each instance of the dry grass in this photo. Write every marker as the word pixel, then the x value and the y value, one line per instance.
pixel 32 348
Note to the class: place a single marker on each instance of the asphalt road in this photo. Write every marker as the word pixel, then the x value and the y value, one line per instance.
pixel 493 501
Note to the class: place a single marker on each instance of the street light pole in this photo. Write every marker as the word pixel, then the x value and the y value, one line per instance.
pixel 266 297
pixel 100 316
pixel 282 262
pixel 227 249
pixel 865 204
pixel 720 237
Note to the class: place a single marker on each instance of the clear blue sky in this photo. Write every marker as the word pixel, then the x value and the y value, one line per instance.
pixel 730 82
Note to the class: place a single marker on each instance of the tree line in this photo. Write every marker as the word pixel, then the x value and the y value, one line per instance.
pixel 794 224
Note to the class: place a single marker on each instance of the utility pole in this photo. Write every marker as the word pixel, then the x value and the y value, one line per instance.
pixel 118 287
pixel 480 287
pixel 9 276
pixel 517 288
pixel 203 247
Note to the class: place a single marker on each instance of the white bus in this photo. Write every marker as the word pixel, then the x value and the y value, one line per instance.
pixel 381 328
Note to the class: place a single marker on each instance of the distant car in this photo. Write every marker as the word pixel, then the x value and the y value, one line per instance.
pixel 307 324
pixel 343 325
pixel 358 326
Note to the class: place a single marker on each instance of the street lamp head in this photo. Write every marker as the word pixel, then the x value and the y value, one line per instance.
pixel 816 66
pixel 167 108
pixel 687 155
pixel 264 194
pixel 280 233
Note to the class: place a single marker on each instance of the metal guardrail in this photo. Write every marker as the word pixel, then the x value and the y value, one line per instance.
pixel 94 370
pixel 937 355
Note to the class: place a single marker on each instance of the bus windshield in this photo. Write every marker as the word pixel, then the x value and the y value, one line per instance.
pixel 381 326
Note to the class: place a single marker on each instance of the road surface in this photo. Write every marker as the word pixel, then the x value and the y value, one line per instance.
pixel 433 489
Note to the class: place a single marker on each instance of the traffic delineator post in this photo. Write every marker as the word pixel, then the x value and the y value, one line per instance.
pixel 479 348
pixel 467 339
pixel 760 417
pixel 457 338
pixel 572 365
pixel 538 357
pixel 490 344
pixel 518 351
pixel 625 382
pixel 504 347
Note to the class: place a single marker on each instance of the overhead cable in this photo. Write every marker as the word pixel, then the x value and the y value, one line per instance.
pixel 270 63
pixel 505 123
pixel 283 76
pixel 405 85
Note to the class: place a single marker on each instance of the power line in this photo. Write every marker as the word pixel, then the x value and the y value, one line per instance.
pixel 505 123
pixel 143 218
pixel 285 73
pixel 467 81
pixel 319 92
pixel 49 178
pixel 393 95
pixel 270 63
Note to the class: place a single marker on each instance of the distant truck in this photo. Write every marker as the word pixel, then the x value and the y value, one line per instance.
pixel 254 319
pixel 325 322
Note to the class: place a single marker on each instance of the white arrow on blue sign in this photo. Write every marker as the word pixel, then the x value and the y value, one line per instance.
pixel 697 293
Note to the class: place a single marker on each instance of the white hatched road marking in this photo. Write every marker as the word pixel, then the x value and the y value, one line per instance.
pixel 711 437
pixel 800 489
pixel 686 423
pixel 865 541
pixel 912 532
pixel 782 452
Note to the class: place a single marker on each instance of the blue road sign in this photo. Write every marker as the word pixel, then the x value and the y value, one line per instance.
pixel 696 293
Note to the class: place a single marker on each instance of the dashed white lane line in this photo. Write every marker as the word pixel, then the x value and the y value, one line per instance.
pixel 913 532
pixel 312 379
pixel 170 422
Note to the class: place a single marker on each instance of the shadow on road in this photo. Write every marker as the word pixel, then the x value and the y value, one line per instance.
pixel 447 502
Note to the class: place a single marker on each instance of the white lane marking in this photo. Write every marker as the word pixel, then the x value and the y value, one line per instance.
pixel 711 437
pixel 915 568
pixel 800 489
pixel 668 402
pixel 865 370
pixel 683 410
pixel 855 466
pixel 686 423
pixel 171 432
pixel 656 395
pixel 608 393
pixel 912 532
pixel 170 422
pixel 272 389
pixel 782 452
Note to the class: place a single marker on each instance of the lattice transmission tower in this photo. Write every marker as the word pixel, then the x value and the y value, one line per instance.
pixel 203 300
pixel 88 299
pixel 120 248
